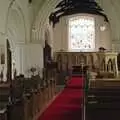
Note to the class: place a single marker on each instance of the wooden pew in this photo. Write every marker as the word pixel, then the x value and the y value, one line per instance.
pixel 104 83
pixel 24 98
pixel 16 107
pixel 29 96
pixel 4 100
pixel 3 114
pixel 104 88
pixel 32 91
pixel 103 95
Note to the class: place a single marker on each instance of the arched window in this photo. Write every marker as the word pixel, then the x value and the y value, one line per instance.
pixel 81 33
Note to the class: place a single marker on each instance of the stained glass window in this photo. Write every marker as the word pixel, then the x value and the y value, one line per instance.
pixel 81 33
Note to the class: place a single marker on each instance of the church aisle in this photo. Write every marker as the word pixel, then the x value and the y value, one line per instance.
pixel 67 105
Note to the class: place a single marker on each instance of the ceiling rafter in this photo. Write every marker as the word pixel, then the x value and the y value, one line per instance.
pixel 69 7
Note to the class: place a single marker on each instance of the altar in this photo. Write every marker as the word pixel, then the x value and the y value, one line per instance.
pixel 96 61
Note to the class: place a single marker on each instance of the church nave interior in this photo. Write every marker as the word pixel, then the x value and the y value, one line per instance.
pixel 59 60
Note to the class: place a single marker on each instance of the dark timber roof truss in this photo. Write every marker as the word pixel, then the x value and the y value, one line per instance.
pixel 69 7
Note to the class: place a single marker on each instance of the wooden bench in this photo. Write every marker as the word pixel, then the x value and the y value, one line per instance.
pixel 4 100
pixel 104 83
pixel 103 98
pixel 3 114
pixel 24 98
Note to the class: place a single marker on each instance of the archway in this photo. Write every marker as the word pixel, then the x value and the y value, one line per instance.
pixel 16 36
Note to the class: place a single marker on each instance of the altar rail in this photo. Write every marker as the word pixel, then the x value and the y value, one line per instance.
pixel 100 61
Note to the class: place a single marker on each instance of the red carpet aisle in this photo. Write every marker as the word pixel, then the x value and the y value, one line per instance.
pixel 67 106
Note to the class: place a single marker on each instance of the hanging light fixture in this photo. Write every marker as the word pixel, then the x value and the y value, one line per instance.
pixel 103 28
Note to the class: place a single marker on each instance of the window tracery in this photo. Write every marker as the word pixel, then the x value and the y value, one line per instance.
pixel 81 33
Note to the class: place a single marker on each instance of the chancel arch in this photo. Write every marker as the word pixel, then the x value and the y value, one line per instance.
pixel 38 32
pixel 40 21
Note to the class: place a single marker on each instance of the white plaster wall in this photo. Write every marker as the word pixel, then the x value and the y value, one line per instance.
pixel 27 56
pixel 5 6
pixel 116 46
pixel 34 56
pixel 102 38
pixel 16 18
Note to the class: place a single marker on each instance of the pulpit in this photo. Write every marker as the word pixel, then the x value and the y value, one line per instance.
pixel 111 62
